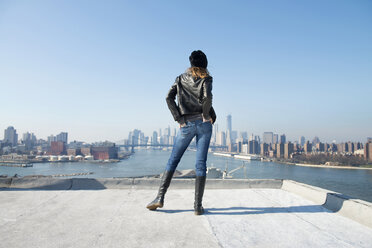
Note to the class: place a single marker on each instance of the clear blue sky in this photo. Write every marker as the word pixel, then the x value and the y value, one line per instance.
pixel 98 69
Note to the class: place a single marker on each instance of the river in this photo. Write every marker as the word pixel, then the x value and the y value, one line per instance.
pixel 354 183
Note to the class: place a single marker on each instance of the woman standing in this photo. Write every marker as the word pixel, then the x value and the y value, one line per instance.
pixel 195 114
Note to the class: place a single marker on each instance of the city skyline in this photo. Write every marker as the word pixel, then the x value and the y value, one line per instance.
pixel 302 69
pixel 265 137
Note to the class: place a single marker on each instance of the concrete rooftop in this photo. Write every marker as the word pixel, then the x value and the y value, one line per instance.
pixel 236 217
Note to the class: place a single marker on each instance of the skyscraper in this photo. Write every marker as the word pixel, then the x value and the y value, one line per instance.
pixel 154 138
pixel 62 137
pixel 282 139
pixel 229 125
pixel 267 137
pixel 221 139
pixel 11 136
pixel 228 129
pixel 302 141
pixel 275 138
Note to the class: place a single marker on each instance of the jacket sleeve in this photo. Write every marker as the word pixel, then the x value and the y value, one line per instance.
pixel 171 96
pixel 207 98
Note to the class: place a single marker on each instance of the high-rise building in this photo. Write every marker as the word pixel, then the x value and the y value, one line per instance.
pixel 267 137
pixel 275 138
pixel 11 136
pixel 228 130
pixel 280 150
pixel 302 141
pixel 57 148
pixel 264 149
pixel 315 141
pixel 368 151
pixel 29 140
pixel 282 139
pixel 133 137
pixel 51 138
pixel 234 136
pixel 307 147
pixel 253 147
pixel 243 135
pixel 62 137
pixel 228 124
pixel 104 152
pixel 221 139
pixel 320 147
pixel 154 138
pixel 350 145
pixel 288 149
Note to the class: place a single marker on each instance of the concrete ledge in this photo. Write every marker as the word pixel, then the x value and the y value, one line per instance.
pixel 50 183
pixel 44 183
pixel 150 183
pixel 355 209
pixel 312 193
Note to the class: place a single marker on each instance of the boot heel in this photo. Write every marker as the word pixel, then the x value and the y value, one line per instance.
pixel 164 184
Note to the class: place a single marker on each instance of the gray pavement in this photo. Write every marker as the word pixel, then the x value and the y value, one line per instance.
pixel 118 218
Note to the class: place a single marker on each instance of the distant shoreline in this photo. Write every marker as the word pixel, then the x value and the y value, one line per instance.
pixel 326 166
pixel 232 155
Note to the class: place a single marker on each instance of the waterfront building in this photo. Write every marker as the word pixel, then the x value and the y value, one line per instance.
pixel 288 150
pixel 282 139
pixel 104 152
pixel 57 148
pixel 86 151
pixel 11 136
pixel 62 137
pixel 73 151
pixel 267 137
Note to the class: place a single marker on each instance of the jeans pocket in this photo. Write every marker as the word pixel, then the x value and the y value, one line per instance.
pixel 207 125
pixel 185 130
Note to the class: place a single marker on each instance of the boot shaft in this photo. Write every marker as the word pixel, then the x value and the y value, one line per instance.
pixel 199 190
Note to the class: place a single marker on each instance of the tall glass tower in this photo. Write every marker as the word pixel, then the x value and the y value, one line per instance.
pixel 229 129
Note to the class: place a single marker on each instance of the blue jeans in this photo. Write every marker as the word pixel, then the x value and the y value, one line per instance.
pixel 203 132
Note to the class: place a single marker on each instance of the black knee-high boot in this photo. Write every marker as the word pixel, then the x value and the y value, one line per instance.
pixel 199 191
pixel 159 200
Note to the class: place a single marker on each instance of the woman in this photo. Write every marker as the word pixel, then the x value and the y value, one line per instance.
pixel 195 114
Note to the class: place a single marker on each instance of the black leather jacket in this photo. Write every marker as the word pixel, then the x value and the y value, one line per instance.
pixel 194 96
